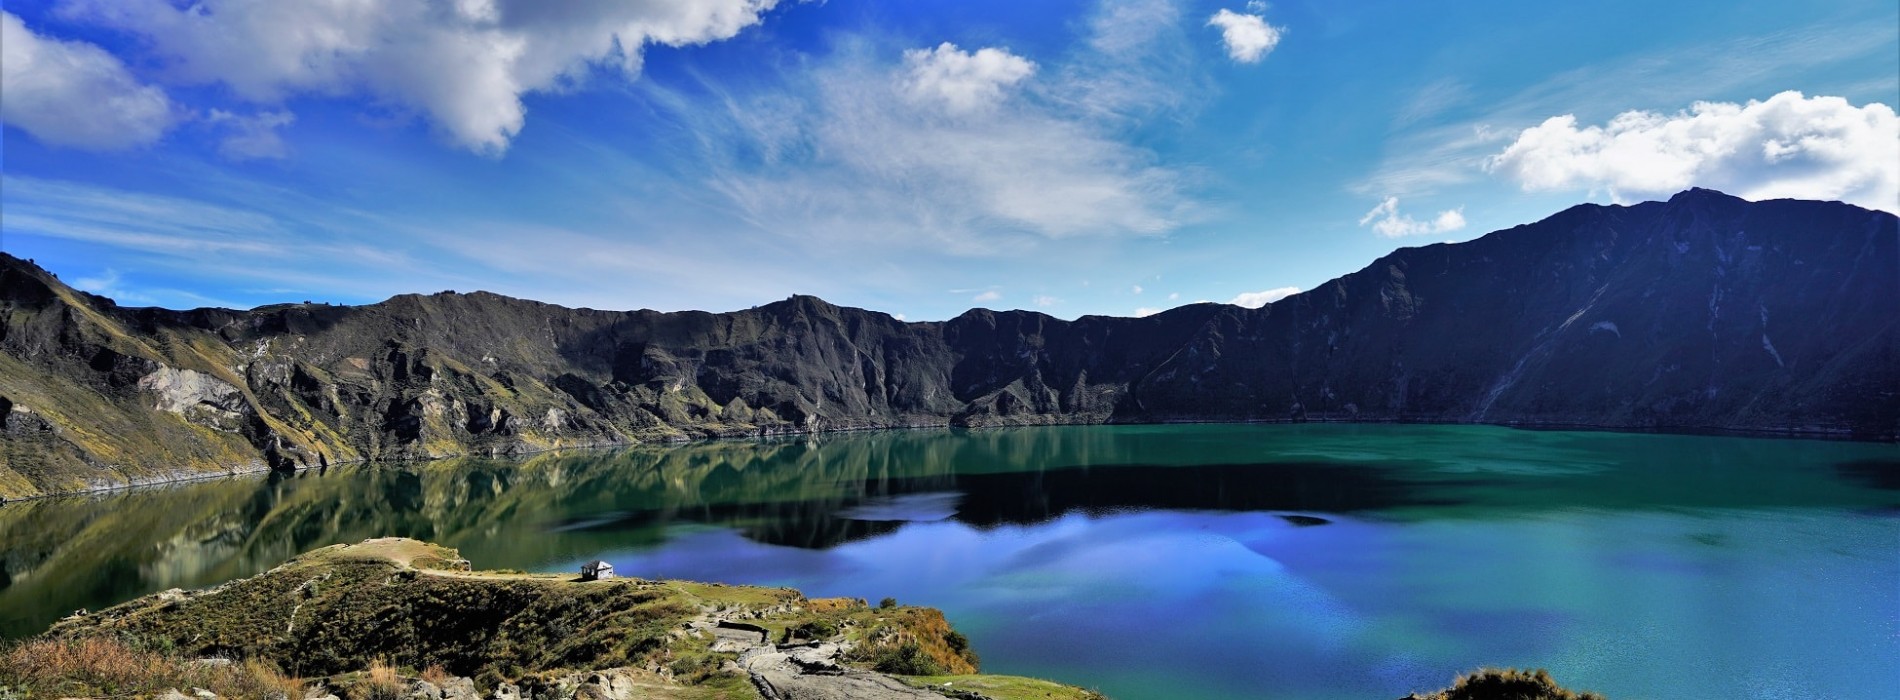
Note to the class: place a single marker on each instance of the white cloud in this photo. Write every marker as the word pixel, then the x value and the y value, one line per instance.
pixel 851 155
pixel 961 81
pixel 1137 289
pixel 1173 296
pixel 1045 301
pixel 465 65
pixel 1789 145
pixel 1387 220
pixel 1146 311
pixel 1255 300
pixel 1434 154
pixel 899 317
pixel 991 295
pixel 1248 37
pixel 254 136
pixel 71 93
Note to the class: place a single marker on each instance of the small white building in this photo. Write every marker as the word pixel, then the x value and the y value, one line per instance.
pixel 596 570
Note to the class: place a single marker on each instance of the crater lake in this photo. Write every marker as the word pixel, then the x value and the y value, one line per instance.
pixel 1169 561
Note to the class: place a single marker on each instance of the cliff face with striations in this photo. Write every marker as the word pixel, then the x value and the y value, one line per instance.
pixel 1702 312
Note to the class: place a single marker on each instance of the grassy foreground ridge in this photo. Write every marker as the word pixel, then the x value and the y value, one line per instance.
pixel 375 619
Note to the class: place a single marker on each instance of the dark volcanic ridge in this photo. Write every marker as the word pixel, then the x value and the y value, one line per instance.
pixel 1705 312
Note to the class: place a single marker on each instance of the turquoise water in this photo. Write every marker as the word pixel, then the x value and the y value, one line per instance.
pixel 1195 561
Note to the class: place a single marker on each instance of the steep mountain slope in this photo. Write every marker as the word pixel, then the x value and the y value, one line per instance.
pixel 1703 312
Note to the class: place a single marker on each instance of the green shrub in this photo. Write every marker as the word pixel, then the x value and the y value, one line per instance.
pixel 819 629
pixel 1507 684
pixel 961 645
pixel 907 659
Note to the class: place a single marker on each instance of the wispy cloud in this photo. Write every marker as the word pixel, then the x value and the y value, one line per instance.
pixel 140 222
pixel 1136 64
pixel 853 152
pixel 250 137
pixel 1431 100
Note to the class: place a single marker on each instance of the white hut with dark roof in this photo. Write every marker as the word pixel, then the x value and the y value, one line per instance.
pixel 596 570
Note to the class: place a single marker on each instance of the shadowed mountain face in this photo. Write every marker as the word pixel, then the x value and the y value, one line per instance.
pixel 1703 312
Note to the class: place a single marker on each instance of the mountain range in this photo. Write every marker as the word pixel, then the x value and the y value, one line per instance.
pixel 1703 312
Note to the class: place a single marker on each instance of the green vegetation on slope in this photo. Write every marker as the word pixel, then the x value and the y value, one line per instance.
pixel 335 612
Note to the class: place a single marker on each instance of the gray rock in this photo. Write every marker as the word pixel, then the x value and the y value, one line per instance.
pixel 813 673
pixel 459 688
pixel 424 690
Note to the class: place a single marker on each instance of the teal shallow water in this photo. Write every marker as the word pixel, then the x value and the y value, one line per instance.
pixel 1194 561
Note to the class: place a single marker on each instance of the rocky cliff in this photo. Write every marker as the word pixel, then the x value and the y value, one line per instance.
pixel 1702 312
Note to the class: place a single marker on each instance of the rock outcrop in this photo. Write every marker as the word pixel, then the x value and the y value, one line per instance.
pixel 1702 312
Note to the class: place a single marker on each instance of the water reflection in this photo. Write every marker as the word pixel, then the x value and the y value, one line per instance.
pixel 818 494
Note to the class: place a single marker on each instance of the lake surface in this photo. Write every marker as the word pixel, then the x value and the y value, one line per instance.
pixel 1190 561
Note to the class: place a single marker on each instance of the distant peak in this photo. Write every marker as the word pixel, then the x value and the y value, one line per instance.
pixel 1703 194
pixel 799 303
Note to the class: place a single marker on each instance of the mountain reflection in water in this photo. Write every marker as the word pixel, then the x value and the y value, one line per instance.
pixel 1335 537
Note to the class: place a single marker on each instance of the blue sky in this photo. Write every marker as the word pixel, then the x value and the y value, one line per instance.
pixel 918 158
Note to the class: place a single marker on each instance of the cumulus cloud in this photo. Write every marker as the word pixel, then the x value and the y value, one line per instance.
pixel 1388 222
pixel 962 81
pixel 1146 311
pixel 465 64
pixel 1255 300
pixel 1045 301
pixel 252 137
pixel 989 295
pixel 1248 36
pixel 71 93
pixel 1789 145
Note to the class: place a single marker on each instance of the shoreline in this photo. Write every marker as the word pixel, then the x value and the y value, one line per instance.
pixel 1808 433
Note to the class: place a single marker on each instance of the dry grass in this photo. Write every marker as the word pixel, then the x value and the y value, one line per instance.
pixel 382 682
pixel 106 667
pixel 826 605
